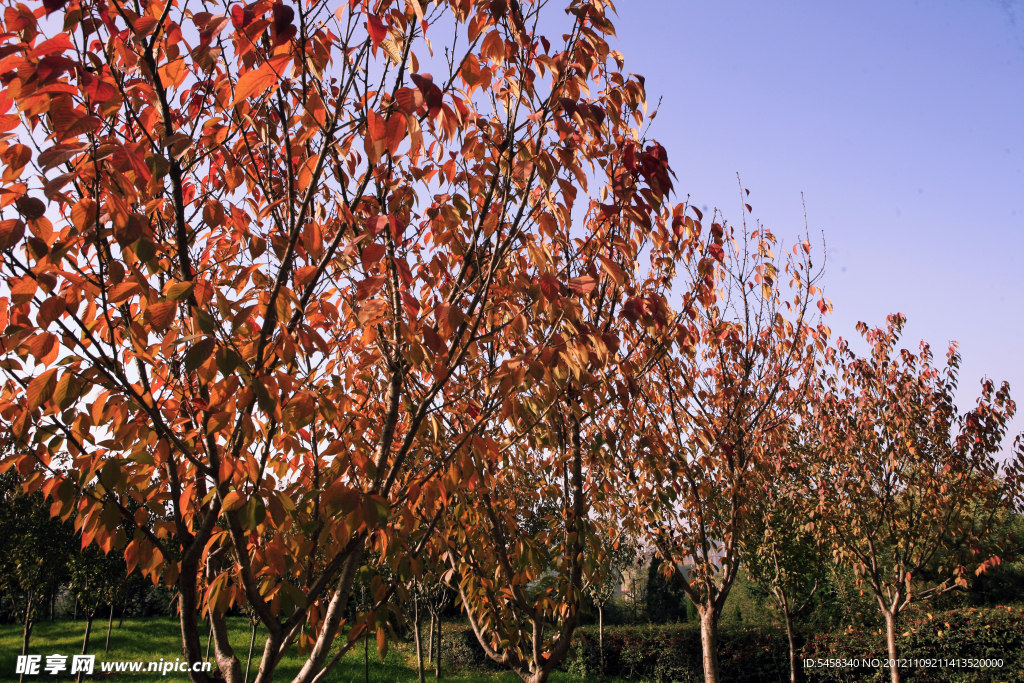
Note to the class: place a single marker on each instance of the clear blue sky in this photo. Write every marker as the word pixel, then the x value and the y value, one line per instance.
pixel 902 123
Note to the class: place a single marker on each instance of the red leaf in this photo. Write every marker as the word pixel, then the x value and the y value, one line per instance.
pixel 283 16
pixel 241 16
pixel 549 285
pixel 369 287
pixel 11 233
pixel 372 254
pixel 409 100
pixel 378 31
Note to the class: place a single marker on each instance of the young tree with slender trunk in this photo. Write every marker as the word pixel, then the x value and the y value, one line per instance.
pixel 906 477
pixel 602 584
pixel 781 552
pixel 716 410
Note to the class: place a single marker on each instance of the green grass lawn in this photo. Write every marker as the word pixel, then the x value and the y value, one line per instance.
pixel 148 640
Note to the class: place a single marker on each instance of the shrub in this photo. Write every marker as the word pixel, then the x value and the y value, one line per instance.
pixel 973 633
pixel 461 650
pixel 749 654
pixel 672 653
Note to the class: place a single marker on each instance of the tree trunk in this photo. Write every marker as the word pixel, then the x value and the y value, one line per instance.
pixel 890 636
pixel 76 608
pixel 85 640
pixel 313 668
pixel 437 651
pixel 188 610
pixel 416 637
pixel 252 639
pixel 223 654
pixel 709 643
pixel 366 653
pixel 600 633
pixel 430 640
pixel 26 633
pixel 792 645
pixel 110 625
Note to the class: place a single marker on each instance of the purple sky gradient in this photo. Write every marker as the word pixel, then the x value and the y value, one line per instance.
pixel 901 122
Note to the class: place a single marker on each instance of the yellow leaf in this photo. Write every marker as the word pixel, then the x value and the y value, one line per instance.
pixel 233 501
pixel 178 291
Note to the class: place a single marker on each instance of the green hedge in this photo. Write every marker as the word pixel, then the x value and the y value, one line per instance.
pixel 749 654
pixel 972 633
pixel 673 653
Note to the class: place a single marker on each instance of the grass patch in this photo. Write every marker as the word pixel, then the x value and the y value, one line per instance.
pixel 147 640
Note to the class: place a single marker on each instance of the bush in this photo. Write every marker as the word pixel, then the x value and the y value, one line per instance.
pixel 672 653
pixel 973 633
pixel 749 654
pixel 461 650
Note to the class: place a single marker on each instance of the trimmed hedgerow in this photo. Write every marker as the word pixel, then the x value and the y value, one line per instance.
pixel 995 633
pixel 749 654
pixel 672 653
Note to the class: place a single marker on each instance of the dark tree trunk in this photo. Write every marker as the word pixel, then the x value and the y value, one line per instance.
pixel 26 633
pixel 110 625
pixel 600 633
pixel 366 653
pixel 85 640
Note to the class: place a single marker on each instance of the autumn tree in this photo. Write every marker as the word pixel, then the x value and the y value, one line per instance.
pixel 716 409
pixel 262 270
pixel 906 478
pixel 526 530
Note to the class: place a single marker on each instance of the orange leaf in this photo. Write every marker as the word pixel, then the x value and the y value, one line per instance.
pixel 613 270
pixel 124 291
pixel 161 315
pixel 582 285
pixel 40 389
pixel 255 81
